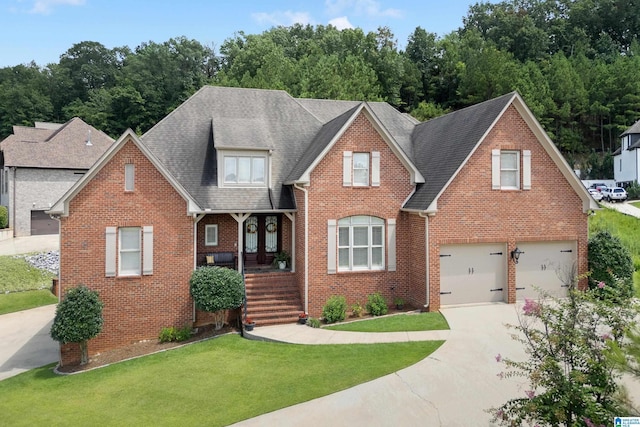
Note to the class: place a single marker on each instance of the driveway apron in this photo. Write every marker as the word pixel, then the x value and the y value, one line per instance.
pixel 452 387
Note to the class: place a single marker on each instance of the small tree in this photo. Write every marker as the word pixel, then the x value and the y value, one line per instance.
pixel 611 263
pixel 572 378
pixel 78 319
pixel 4 217
pixel 216 290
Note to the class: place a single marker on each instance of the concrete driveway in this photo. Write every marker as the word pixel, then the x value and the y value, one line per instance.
pixel 25 342
pixel 452 387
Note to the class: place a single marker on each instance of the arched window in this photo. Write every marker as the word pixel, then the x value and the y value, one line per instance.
pixel 360 243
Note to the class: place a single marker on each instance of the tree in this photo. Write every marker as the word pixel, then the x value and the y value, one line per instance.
pixel 610 262
pixel 572 379
pixel 216 290
pixel 78 319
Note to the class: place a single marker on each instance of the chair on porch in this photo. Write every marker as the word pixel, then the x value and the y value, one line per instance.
pixel 221 259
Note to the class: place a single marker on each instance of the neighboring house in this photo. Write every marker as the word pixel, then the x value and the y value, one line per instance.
pixel 626 159
pixel 39 164
pixel 364 198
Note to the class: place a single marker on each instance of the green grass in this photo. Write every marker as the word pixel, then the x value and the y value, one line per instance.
pixel 18 275
pixel 213 383
pixel 636 204
pixel 396 323
pixel 626 228
pixel 18 301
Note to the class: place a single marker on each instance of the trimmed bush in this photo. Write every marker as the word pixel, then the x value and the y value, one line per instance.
pixel 376 304
pixel 357 309
pixel 313 322
pixel 335 310
pixel 78 319
pixel 4 217
pixel 175 334
pixel 610 262
pixel 216 290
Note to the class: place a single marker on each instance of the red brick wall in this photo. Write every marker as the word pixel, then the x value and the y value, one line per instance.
pixel 136 308
pixel 328 199
pixel 471 212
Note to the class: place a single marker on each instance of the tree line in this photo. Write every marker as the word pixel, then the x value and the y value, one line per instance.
pixel 575 62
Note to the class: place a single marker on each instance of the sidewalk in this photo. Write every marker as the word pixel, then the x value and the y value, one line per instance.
pixel 625 208
pixel 303 334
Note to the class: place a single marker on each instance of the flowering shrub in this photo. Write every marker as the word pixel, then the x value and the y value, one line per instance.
pixel 572 378
pixel 611 263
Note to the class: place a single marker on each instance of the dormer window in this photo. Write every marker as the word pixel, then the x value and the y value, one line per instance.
pixel 244 169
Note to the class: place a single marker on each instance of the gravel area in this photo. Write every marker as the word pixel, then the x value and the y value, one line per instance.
pixel 49 261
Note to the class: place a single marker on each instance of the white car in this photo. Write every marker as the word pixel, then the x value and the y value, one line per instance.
pixel 597 196
pixel 614 194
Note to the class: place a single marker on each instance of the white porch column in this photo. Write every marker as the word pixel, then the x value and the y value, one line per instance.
pixel 292 218
pixel 240 219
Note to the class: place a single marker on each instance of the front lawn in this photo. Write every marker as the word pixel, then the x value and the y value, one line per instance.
pixel 396 323
pixel 18 301
pixel 213 383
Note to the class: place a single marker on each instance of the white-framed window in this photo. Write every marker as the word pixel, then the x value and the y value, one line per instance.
pixel 360 243
pixel 361 169
pixel 245 170
pixel 510 169
pixel 129 251
pixel 129 174
pixel 211 235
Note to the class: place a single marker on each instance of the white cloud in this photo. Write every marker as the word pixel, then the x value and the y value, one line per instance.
pixel 341 23
pixel 44 7
pixel 370 8
pixel 286 18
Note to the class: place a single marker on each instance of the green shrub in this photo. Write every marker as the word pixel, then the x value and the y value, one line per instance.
pixel 633 191
pixel 335 310
pixel 78 319
pixel 4 217
pixel 313 322
pixel 174 334
pixel 357 309
pixel 610 262
pixel 376 304
pixel 216 288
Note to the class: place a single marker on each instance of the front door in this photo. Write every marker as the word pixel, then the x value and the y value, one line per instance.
pixel 261 239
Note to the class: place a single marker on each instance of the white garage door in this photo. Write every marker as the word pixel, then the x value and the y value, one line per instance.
pixel 472 273
pixel 545 265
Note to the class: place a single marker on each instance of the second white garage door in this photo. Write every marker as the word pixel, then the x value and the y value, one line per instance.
pixel 545 265
pixel 474 273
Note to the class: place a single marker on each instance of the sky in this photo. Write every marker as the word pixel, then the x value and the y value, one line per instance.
pixel 42 30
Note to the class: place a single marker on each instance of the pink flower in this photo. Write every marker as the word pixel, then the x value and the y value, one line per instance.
pixel 530 307
pixel 606 337
pixel 601 285
pixel 530 394
pixel 499 358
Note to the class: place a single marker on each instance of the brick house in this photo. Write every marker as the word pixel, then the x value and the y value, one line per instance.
pixel 39 164
pixel 364 199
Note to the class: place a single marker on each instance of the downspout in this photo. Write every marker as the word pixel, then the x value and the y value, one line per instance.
pixel 426 250
pixel 306 246
pixel 196 220
pixel 13 204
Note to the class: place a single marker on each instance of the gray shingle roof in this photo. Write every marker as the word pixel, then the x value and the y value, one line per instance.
pixel 297 131
pixel 64 147
pixel 635 128
pixel 442 144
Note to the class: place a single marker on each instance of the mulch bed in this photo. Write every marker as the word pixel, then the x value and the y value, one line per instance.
pixel 141 348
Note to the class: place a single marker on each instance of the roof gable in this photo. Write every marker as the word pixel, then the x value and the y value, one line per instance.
pixel 61 207
pixel 331 132
pixel 72 145
pixel 635 128
pixel 462 132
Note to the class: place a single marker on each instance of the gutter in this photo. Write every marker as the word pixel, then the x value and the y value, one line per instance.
pixel 306 246
pixel 426 216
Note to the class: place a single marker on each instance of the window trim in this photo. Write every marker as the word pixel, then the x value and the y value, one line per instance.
pixel 129 177
pixel 504 170
pixel 355 182
pixel 252 156
pixel 348 223
pixel 138 250
pixel 208 227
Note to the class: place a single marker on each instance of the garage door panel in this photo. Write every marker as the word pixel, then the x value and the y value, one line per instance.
pixel 545 266
pixel 41 223
pixel 472 273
